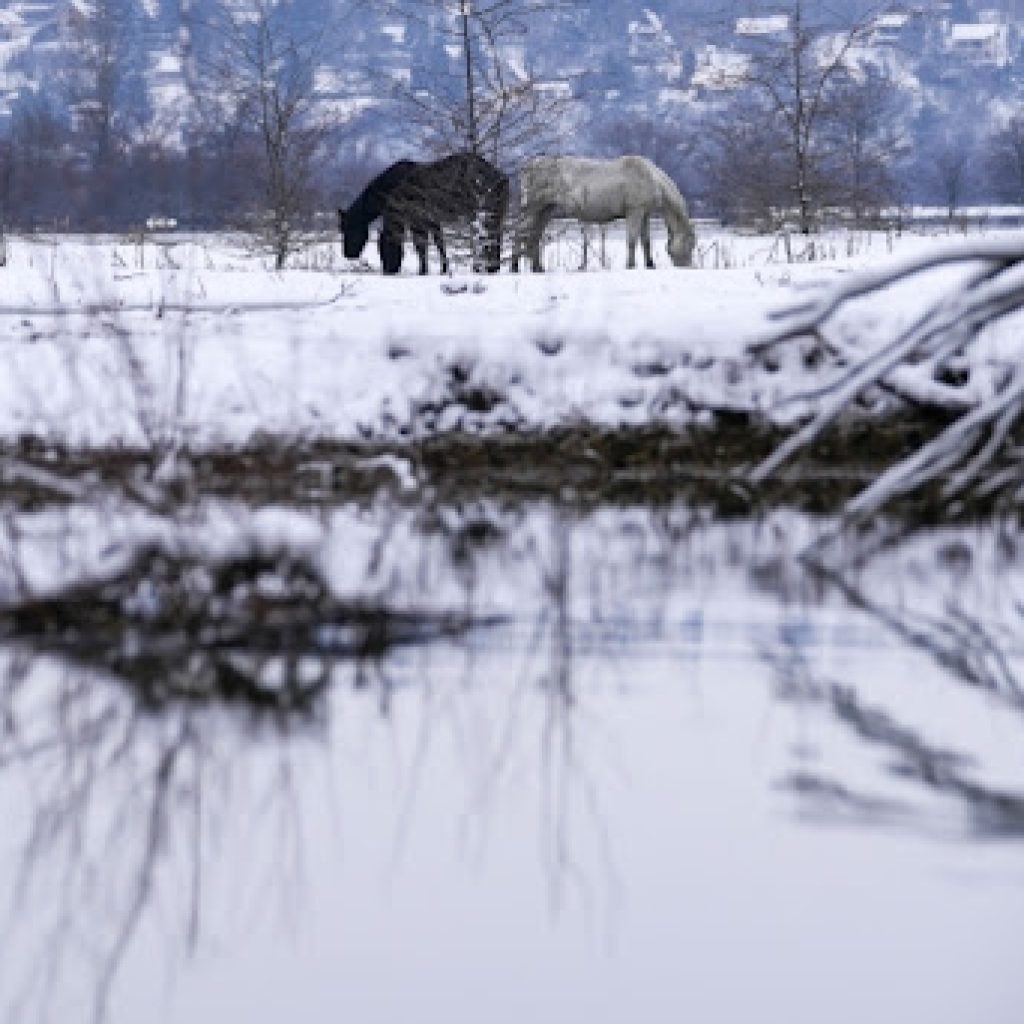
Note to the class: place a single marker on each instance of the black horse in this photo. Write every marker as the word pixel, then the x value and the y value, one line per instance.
pixel 422 197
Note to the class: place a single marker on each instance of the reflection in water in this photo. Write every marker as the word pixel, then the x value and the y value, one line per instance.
pixel 198 742
pixel 970 653
pixel 258 631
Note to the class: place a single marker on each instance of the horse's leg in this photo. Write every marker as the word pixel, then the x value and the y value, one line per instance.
pixel 419 241
pixel 645 240
pixel 536 236
pixel 493 226
pixel 521 242
pixel 498 215
pixel 533 245
pixel 634 226
pixel 435 231
pixel 390 244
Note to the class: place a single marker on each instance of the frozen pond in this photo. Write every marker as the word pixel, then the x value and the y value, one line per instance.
pixel 678 777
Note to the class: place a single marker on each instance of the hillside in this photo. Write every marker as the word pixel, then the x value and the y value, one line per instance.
pixel 618 68
pixel 649 55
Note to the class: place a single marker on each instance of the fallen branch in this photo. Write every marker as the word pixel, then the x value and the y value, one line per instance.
pixel 805 318
pixel 909 366
pixel 98 308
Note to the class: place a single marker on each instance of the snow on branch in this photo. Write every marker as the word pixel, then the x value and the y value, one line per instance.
pixel 911 365
pixel 808 317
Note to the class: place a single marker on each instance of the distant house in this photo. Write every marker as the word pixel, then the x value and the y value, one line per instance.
pixel 394 31
pixel 718 69
pixel 772 25
pixel 889 29
pixel 652 50
pixel 554 90
pixel 34 13
pixel 981 43
pixel 674 97
pixel 165 68
pixel 647 37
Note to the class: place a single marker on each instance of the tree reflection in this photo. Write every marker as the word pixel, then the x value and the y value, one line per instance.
pixel 134 706
pixel 116 795
pixel 968 650
pixel 164 674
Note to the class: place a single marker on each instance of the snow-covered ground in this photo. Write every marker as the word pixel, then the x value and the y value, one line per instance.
pixel 608 794
pixel 117 340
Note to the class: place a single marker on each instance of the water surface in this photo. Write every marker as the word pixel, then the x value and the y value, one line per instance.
pixel 675 776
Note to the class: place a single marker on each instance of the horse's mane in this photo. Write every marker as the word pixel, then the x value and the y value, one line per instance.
pixel 370 203
pixel 671 195
pixel 409 183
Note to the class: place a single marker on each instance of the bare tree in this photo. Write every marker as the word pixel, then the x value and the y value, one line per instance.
pixel 950 173
pixel 37 168
pixel 104 87
pixel 104 90
pixel 975 455
pixel 1005 159
pixel 798 80
pixel 6 189
pixel 491 101
pixel 865 130
pixel 745 169
pixel 264 78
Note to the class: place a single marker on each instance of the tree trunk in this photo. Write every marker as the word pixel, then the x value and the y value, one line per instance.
pixel 467 52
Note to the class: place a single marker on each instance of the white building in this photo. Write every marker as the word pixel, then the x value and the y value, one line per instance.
pixel 888 29
pixel 718 69
pixel 772 25
pixel 650 42
pixel 982 43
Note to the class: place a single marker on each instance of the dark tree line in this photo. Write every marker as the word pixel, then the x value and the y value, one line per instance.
pixel 245 142
pixel 46 181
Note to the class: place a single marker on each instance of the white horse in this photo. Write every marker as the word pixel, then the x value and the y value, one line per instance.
pixel 599 191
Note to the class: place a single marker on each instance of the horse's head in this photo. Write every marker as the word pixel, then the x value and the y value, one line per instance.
pixel 354 234
pixel 681 245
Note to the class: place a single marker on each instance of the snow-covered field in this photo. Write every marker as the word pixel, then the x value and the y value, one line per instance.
pixel 196 339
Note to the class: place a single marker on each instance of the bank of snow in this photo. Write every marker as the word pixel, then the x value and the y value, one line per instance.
pixel 107 341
